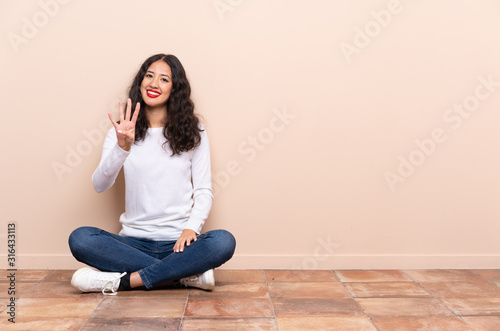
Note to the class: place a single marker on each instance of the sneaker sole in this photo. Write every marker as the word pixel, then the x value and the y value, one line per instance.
pixel 78 273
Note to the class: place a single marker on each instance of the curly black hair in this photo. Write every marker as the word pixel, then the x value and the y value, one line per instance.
pixel 182 131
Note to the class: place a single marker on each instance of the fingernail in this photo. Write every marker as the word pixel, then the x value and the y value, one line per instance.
pixel 119 131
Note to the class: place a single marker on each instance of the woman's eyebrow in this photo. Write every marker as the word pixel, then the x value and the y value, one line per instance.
pixel 161 74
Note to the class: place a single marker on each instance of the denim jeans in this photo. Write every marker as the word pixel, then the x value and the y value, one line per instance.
pixel 155 261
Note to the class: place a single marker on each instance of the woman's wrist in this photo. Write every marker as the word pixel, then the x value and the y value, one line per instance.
pixel 126 148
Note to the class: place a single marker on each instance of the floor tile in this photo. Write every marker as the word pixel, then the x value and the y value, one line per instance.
pixel 371 276
pixel 473 306
pixel 239 276
pixel 442 275
pixel 234 290
pixel 25 276
pixel 386 290
pixel 57 307
pixel 359 323
pixel 244 299
pixel 287 307
pixel 60 276
pixel 55 289
pixel 489 274
pixel 59 290
pixel 399 307
pixel 228 323
pixel 476 288
pixel 3 305
pixel 180 293
pixel 483 323
pixel 20 289
pixel 308 290
pixel 300 276
pixel 40 323
pixel 132 323
pixel 420 323
pixel 115 307
pixel 244 307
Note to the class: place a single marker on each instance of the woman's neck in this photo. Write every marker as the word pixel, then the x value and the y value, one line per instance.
pixel 157 117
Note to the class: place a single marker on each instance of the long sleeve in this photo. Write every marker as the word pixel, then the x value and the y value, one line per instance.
pixel 112 159
pixel 202 185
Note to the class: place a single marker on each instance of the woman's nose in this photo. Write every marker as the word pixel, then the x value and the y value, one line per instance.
pixel 154 82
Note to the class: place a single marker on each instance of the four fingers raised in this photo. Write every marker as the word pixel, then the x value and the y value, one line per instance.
pixel 126 117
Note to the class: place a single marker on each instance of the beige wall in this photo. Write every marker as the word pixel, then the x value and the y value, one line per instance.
pixel 374 149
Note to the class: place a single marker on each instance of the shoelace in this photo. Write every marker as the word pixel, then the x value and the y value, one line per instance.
pixel 110 285
pixel 192 279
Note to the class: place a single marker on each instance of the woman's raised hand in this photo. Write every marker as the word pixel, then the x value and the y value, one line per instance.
pixel 125 131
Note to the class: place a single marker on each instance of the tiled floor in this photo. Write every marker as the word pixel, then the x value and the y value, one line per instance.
pixel 266 300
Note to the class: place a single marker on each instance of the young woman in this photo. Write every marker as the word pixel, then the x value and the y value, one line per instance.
pixel 165 155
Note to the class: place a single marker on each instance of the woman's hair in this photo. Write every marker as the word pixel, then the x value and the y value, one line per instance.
pixel 181 130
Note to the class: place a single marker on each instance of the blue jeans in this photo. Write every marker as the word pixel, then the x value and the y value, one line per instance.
pixel 155 261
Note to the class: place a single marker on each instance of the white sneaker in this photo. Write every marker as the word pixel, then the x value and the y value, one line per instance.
pixel 205 281
pixel 90 280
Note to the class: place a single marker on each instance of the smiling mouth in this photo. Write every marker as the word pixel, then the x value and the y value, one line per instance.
pixel 152 94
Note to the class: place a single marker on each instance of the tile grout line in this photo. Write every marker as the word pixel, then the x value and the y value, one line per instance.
pixel 44 278
pixel 38 283
pixel 92 313
pixel 184 310
pixel 353 299
pixel 271 299
pixel 489 281
pixel 86 320
pixel 31 289
pixel 432 295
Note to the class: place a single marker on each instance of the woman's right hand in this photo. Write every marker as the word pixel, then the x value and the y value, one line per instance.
pixel 125 131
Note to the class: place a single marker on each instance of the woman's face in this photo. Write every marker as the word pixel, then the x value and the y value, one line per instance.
pixel 157 84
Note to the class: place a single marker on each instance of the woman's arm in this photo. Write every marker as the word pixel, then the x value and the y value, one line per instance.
pixel 202 193
pixel 116 148
pixel 202 185
pixel 112 159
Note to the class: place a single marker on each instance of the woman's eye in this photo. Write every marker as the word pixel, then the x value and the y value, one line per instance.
pixel 149 75
pixel 165 80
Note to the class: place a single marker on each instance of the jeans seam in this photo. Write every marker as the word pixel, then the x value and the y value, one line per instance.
pixel 144 279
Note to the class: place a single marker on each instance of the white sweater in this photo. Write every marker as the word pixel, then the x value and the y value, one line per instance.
pixel 164 194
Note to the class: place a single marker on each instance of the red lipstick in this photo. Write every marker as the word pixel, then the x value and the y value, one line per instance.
pixel 153 93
